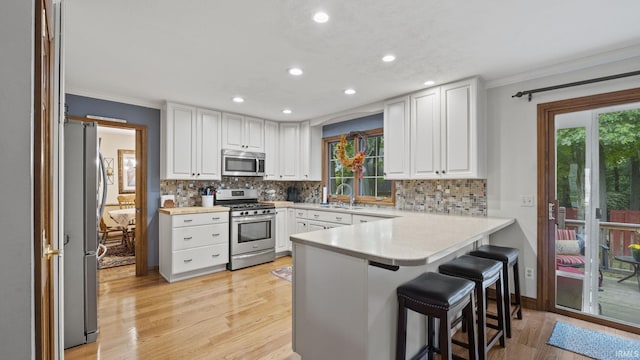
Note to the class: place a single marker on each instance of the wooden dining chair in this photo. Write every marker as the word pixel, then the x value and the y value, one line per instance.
pixel 107 230
pixel 126 201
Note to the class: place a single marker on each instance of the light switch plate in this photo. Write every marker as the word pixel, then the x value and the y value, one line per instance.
pixel 526 201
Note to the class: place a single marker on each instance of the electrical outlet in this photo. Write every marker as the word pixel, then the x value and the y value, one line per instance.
pixel 526 200
pixel 528 273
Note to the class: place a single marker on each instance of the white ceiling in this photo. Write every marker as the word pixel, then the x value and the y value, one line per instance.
pixel 204 52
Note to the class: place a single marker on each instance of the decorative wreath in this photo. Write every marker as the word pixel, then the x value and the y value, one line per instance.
pixel 354 163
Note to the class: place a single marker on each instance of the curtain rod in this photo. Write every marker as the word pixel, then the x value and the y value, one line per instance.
pixel 577 83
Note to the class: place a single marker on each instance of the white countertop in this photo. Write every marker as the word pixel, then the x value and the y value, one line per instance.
pixel 193 210
pixel 409 239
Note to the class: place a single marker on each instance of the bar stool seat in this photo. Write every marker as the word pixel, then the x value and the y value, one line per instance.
pixel 484 273
pixel 509 258
pixel 442 297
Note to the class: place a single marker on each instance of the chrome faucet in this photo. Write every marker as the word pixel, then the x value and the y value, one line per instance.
pixel 351 199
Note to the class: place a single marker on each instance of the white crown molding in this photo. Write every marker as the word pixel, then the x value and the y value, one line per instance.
pixel 361 111
pixel 115 98
pixel 568 66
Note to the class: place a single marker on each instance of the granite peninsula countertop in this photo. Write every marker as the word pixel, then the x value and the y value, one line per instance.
pixel 409 239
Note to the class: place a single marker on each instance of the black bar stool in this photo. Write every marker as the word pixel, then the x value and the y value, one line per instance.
pixel 509 258
pixel 437 296
pixel 484 273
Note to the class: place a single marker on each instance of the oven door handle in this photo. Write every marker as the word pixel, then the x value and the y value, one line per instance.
pixel 256 218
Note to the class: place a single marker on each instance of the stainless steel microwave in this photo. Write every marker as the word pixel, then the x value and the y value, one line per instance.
pixel 242 163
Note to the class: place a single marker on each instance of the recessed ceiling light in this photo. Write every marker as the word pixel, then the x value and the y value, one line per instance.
pixel 238 99
pixel 320 17
pixel 295 71
pixel 349 91
pixel 388 58
pixel 287 111
pixel 429 82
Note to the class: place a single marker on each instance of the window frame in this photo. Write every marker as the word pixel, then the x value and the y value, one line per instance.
pixel 385 201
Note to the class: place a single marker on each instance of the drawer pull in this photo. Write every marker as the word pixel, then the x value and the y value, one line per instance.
pixel 215 255
pixel 316 216
pixel 214 235
pixel 189 238
pixel 363 221
pixel 215 218
pixel 188 220
pixel 255 246
pixel 338 218
pixel 188 260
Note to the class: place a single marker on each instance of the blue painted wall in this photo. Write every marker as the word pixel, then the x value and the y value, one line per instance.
pixel 82 106
pixel 360 124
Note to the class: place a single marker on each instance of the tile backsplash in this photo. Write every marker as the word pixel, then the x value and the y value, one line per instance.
pixel 455 196
pixel 451 196
pixel 186 191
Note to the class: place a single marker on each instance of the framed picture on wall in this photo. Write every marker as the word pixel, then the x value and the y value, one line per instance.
pixel 126 171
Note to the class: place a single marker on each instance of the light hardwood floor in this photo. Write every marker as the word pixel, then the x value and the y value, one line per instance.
pixel 245 314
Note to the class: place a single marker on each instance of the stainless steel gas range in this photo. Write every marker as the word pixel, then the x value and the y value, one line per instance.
pixel 252 228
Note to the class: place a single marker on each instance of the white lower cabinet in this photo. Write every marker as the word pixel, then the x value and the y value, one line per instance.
pixel 312 220
pixel 193 244
pixel 282 234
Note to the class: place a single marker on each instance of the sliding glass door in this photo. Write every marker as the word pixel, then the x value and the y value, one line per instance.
pixel 597 155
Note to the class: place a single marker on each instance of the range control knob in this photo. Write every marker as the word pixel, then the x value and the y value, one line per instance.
pixel 255 212
pixel 265 211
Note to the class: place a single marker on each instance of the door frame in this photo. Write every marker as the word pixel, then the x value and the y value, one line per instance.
pixel 141 246
pixel 546 193
pixel 44 239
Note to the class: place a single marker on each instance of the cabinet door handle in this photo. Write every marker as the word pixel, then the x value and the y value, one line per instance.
pixel 316 216
pixel 437 172
pixel 188 260
pixel 193 174
pixel 443 172
pixel 198 174
pixel 215 255
pixel 188 220
pixel 214 235
pixel 189 238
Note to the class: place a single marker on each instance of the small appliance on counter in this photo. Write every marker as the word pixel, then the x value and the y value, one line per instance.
pixel 292 194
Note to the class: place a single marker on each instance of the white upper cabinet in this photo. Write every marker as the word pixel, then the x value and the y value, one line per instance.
pixel 435 133
pixel 242 133
pixel 289 151
pixel 425 134
pixel 208 149
pixel 396 138
pixel 310 152
pixel 463 132
pixel 190 146
pixel 271 150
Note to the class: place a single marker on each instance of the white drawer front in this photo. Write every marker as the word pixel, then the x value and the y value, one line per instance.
pixel 196 236
pixel 199 219
pixel 358 219
pixel 335 217
pixel 301 213
pixel 198 258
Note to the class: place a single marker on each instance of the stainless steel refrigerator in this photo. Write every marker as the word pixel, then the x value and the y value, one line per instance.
pixel 81 216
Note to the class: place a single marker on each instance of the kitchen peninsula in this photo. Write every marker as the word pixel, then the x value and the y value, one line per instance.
pixel 345 279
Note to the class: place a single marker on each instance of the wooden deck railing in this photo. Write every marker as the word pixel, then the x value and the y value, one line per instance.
pixel 614 240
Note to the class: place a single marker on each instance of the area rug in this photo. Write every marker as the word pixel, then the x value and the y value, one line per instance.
pixel 283 272
pixel 591 343
pixel 117 255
